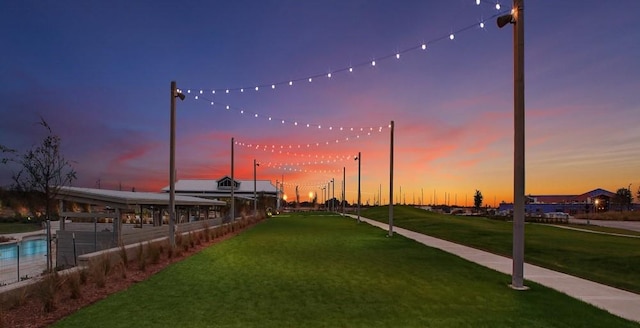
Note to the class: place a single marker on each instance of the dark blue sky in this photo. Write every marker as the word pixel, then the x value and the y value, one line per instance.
pixel 99 72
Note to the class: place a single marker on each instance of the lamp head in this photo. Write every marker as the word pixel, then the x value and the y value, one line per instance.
pixel 504 20
pixel 180 95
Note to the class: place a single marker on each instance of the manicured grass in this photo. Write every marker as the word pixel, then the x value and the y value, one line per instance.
pixel 15 227
pixel 309 270
pixel 602 258
pixel 604 229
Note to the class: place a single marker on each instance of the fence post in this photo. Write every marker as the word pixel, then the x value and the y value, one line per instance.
pixel 18 259
pixel 75 258
pixel 49 261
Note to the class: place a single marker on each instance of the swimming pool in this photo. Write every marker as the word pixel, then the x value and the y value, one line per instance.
pixel 28 247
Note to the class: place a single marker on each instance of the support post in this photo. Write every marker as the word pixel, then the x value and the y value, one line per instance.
pixel 172 167
pixel 344 187
pixel 391 184
pixel 359 199
pixel 233 186
pixel 255 193
pixel 519 146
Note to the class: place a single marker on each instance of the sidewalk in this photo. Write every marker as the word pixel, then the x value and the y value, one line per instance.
pixel 618 302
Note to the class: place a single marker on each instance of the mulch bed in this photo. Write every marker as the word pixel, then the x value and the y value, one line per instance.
pixel 31 312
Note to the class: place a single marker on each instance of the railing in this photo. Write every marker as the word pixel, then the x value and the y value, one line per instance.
pixel 23 259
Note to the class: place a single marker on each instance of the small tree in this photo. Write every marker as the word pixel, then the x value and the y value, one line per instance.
pixel 43 170
pixel 477 200
pixel 623 198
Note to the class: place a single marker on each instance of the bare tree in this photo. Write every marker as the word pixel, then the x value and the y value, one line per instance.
pixel 43 170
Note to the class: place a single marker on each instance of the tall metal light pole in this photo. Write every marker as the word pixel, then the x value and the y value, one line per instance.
pixel 333 192
pixel 391 185
pixel 255 192
pixel 517 19
pixel 172 163
pixel 277 197
pixel 233 186
pixel 329 194
pixel 359 159
pixel 344 187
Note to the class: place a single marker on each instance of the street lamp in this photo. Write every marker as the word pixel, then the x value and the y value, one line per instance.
pixel 516 17
pixel 333 192
pixel 172 163
pixel 255 193
pixel 359 159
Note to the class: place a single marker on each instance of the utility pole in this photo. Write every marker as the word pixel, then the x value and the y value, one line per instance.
pixel 233 186
pixel 517 19
pixel 391 184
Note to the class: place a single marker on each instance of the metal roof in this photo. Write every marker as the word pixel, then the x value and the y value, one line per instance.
pixel 211 186
pixel 125 199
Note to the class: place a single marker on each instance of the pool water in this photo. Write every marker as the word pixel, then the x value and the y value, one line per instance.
pixel 33 246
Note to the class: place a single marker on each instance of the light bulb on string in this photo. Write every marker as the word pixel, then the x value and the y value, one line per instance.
pixel 372 63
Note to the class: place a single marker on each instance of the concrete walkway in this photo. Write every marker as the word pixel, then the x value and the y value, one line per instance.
pixel 618 302
pixel 627 225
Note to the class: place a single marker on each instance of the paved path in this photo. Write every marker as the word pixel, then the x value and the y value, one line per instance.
pixel 618 302
pixel 627 225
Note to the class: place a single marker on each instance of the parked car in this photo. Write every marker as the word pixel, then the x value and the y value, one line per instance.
pixel 556 215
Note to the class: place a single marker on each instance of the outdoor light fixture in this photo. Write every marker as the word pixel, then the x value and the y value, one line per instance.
pixel 172 162
pixel 359 159
pixel 255 194
pixel 504 20
pixel 516 18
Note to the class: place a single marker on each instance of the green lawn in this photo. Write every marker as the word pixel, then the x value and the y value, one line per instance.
pixel 307 270
pixel 606 259
pixel 15 227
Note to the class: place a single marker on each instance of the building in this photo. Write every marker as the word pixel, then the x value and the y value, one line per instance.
pixel 221 190
pixel 597 200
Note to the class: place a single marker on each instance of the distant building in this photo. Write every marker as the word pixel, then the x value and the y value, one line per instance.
pixel 221 189
pixel 597 200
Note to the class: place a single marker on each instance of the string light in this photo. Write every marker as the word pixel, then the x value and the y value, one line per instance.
pixel 282 120
pixel 272 148
pixel 371 63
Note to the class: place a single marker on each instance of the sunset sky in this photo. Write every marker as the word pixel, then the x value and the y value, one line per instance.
pixel 99 73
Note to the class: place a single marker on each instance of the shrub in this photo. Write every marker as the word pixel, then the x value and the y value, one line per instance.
pixel 123 255
pixel 206 231
pixel 73 282
pixel 100 268
pixel 154 252
pixel 83 276
pixel 142 258
pixel 47 289
pixel 15 298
